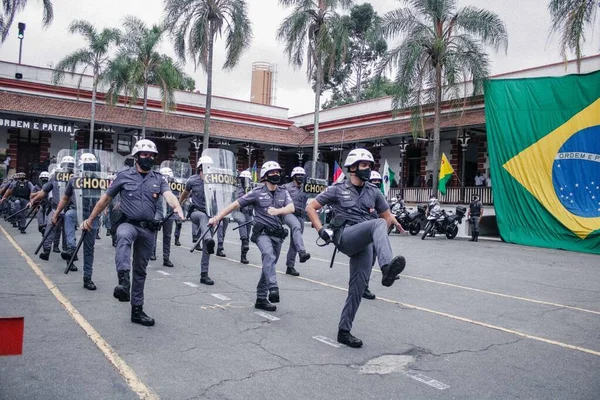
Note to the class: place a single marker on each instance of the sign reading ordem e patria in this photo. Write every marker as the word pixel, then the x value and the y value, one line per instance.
pixel 40 126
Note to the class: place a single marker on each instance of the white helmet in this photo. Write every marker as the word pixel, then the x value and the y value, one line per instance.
pixel 375 175
pixel 204 160
pixel 245 174
pixel 44 174
pixel 298 171
pixel 144 145
pixel 358 155
pixel 166 171
pixel 267 167
pixel 67 160
pixel 87 158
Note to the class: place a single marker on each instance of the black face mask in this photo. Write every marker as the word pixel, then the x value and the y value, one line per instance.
pixel 22 179
pixel 145 164
pixel 44 181
pixel 378 184
pixel 299 178
pixel 274 179
pixel 363 174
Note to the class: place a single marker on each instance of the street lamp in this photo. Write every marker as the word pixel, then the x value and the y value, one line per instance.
pixel 463 137
pixel 403 145
pixel 21 35
pixel 197 144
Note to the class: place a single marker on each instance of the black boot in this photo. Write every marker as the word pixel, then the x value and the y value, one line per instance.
pixel 243 258
pixel 73 267
pixel 274 295
pixel 56 249
pixel 210 246
pixel 345 337
pixel 177 242
pixel 204 278
pixel 138 316
pixel 473 236
pixel 368 294
pixel 45 255
pixel 88 284
pixel 220 252
pixel 66 255
pixel 153 256
pixel 167 263
pixel 121 291
pixel 245 245
pixel 390 271
pixel 477 237
pixel 292 271
pixel 304 256
pixel 263 304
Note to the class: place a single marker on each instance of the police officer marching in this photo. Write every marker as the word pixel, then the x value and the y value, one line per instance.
pixel 44 207
pixel 475 214
pixel 296 220
pixel 20 190
pixel 244 215
pixel 199 218
pixel 357 235
pixel 139 189
pixel 167 227
pixel 270 203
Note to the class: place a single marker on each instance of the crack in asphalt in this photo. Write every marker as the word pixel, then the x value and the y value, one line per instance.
pixel 474 351
pixel 562 287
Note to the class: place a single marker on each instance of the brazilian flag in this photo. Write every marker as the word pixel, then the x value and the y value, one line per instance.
pixel 544 145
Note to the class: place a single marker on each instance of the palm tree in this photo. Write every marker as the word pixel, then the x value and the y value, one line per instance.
pixel 315 29
pixel 571 18
pixel 195 25
pixel 138 64
pixel 10 8
pixel 94 56
pixel 441 48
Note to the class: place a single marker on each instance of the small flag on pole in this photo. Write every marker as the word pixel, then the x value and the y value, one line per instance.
pixel 388 177
pixel 446 172
pixel 254 173
pixel 338 174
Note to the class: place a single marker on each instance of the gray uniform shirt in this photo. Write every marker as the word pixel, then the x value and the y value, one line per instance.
pixel 139 194
pixel 261 198
pixel 54 186
pixel 241 192
pixel 298 196
pixel 351 206
pixel 195 185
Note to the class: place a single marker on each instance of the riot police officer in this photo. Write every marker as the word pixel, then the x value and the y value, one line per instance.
pixel 44 207
pixel 199 218
pixel 167 227
pixel 375 179
pixel 244 215
pixel 296 220
pixel 139 189
pixel 356 234
pixel 270 202
pixel 87 164
pixel 475 214
pixel 20 190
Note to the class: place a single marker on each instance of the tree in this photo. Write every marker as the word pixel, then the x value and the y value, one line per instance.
pixel 187 83
pixel 10 8
pixel 138 65
pixel 94 56
pixel 195 24
pixel 373 88
pixel 315 29
pixel 571 18
pixel 440 49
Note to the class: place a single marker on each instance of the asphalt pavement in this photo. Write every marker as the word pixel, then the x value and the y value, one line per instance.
pixel 486 320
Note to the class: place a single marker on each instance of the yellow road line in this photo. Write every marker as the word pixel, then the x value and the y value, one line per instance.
pixel 134 382
pixel 442 314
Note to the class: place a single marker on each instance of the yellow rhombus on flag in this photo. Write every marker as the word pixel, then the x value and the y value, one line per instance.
pixel 446 172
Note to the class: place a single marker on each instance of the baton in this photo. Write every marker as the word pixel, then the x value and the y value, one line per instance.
pixel 242 225
pixel 32 218
pixel 20 211
pixel 76 251
pixel 48 234
pixel 202 237
pixel 333 257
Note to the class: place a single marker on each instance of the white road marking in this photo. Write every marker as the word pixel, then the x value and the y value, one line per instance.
pixel 163 272
pixel 190 284
pixel 220 296
pixel 266 315
pixel 417 376
pixel 326 340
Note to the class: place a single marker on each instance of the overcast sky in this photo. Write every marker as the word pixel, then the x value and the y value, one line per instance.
pixel 527 23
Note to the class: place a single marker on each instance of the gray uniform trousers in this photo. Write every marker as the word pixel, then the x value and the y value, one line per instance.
pixel 41 216
pixel 178 229
pixel 270 248
pixel 55 235
pixel 88 241
pixel 222 231
pixel 475 225
pixel 20 206
pixel 140 239
pixel 296 225
pixel 358 242
pixel 242 218
pixel 200 220
pixel 167 229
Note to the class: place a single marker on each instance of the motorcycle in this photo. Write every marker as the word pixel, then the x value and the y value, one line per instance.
pixel 444 223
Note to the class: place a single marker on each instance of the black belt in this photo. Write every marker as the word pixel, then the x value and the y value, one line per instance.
pixel 141 224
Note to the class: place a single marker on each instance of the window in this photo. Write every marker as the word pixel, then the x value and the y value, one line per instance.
pixel 98 143
pixel 124 144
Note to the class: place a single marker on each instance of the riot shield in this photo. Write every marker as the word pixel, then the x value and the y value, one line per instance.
pixel 316 178
pixel 93 178
pixel 63 174
pixel 220 179
pixel 181 173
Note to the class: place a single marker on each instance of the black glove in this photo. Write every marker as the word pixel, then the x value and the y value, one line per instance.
pixel 323 234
